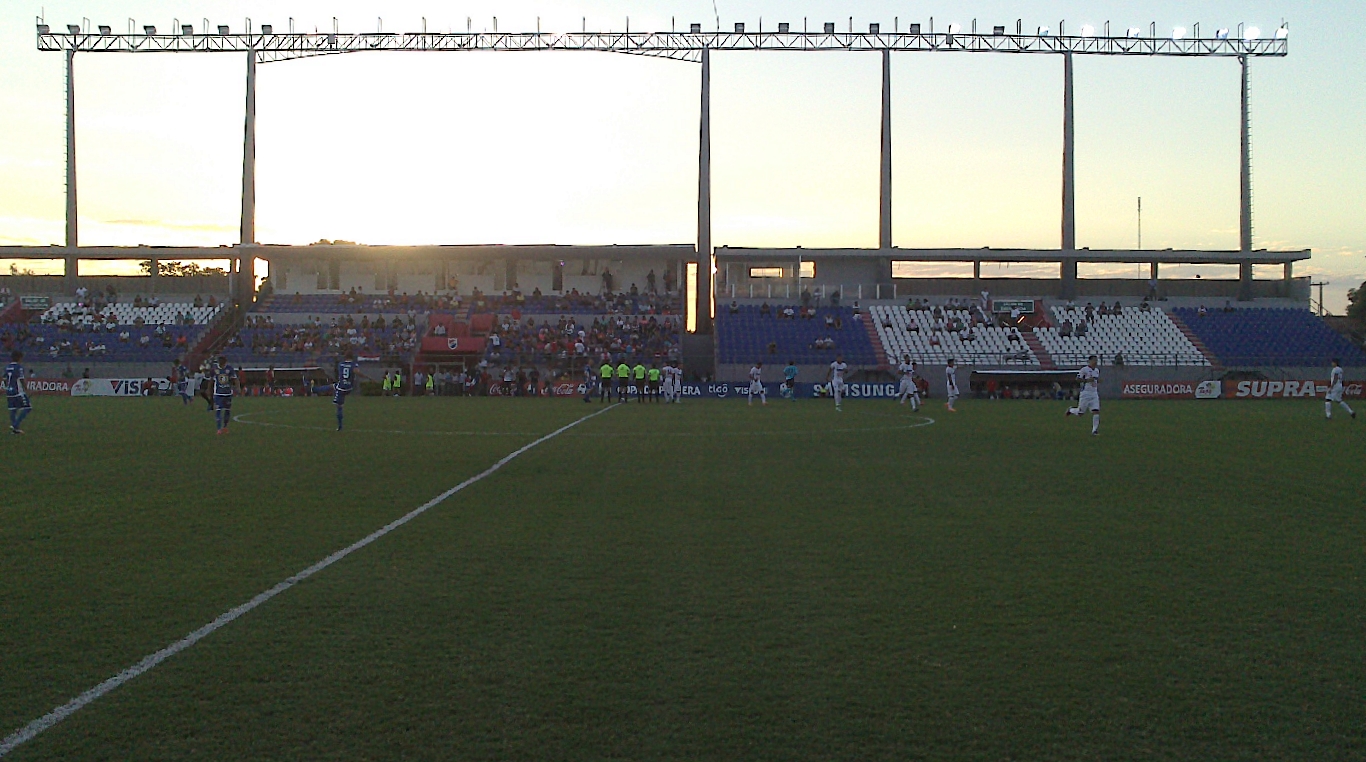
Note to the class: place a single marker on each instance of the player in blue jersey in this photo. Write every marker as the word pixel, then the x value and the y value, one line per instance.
pixel 182 383
pixel 224 382
pixel 348 374
pixel 16 392
pixel 790 380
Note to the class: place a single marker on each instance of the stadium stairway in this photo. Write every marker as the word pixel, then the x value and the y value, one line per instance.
pixel 1036 346
pixel 1195 340
pixel 230 321
pixel 879 350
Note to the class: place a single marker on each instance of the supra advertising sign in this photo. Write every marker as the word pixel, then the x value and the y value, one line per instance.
pixel 1291 389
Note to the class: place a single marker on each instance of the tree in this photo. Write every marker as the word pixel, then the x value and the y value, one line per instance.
pixel 1356 304
pixel 170 269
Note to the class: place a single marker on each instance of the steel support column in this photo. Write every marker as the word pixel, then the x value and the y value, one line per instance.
pixel 705 261
pixel 72 232
pixel 243 283
pixel 1069 187
pixel 884 236
pixel 1068 276
pixel 1245 191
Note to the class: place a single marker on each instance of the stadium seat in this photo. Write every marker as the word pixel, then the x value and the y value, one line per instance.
pixel 1264 337
pixel 744 337
pixel 912 332
pixel 1147 338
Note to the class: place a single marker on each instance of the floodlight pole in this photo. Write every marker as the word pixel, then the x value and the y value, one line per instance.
pixel 72 233
pixel 1245 194
pixel 241 283
pixel 704 253
pixel 1069 187
pixel 884 238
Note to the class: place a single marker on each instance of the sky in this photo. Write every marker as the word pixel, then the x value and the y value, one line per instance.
pixel 580 148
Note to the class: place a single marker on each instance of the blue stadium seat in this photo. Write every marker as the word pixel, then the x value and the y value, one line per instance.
pixel 744 337
pixel 1264 337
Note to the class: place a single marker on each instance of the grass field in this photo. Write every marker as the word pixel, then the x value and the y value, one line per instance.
pixel 705 581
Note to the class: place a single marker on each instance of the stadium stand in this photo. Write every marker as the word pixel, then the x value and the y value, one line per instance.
pixel 572 303
pixel 262 341
pixel 1267 337
pixel 746 333
pixel 156 344
pixel 123 332
pixel 934 335
pixel 1136 335
pixel 569 343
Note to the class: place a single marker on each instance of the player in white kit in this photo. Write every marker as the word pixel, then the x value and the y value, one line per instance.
pixel 836 379
pixel 908 390
pixel 951 383
pixel 1335 391
pixel 756 384
pixel 1089 376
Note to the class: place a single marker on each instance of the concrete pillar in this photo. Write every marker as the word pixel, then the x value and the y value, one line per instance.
pixel 1245 281
pixel 1245 175
pixel 249 157
pixel 1068 275
pixel 510 274
pixel 1289 270
pixel 884 236
pixel 1069 188
pixel 705 260
pixel 72 233
pixel 977 270
pixel 1152 271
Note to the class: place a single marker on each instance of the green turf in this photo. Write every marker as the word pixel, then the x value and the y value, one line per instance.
pixel 706 581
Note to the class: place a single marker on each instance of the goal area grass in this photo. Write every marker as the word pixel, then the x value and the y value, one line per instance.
pixel 707 580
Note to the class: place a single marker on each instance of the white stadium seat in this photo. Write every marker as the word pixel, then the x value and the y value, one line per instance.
pixel 1143 338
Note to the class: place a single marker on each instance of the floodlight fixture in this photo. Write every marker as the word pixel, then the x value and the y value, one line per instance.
pixel 955 28
pixel 73 29
pixel 187 30
pixel 874 28
pixel 829 27
pixel 1179 33
pixel 1088 31
pixel 1253 33
pixel 784 27
pixel 223 29
pixel 1132 33
pixel 915 29
pixel 1283 33
pixel 149 29
pixel 105 30
pixel 694 28
pixel 267 29
pixel 1044 31
pixel 1221 34
pixel 739 27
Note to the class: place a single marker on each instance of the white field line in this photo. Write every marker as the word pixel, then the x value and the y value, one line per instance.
pixel 31 730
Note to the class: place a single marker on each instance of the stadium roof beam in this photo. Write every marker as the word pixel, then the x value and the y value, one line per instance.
pixel 683 45
pixel 264 45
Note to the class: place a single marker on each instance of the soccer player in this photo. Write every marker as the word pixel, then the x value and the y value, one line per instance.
pixel 790 380
pixel 224 379
pixel 16 392
pixel 909 391
pixel 836 379
pixel 670 391
pixel 208 383
pixel 756 384
pixel 1335 392
pixel 347 372
pixel 951 383
pixel 182 383
pixel 1089 376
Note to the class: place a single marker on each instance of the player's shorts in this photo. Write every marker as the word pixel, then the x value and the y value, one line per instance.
pixel 222 402
pixel 182 388
pixel 756 387
pixel 19 402
pixel 1335 394
pixel 907 387
pixel 1089 400
pixel 339 396
pixel 837 386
